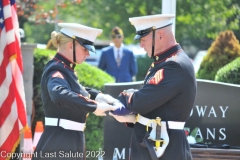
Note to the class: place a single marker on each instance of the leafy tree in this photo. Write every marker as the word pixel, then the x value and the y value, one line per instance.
pixel 24 10
pixel 36 33
pixel 103 14
pixel 40 11
pixel 199 22
pixel 38 17
pixel 236 3
pixel 116 13
pixel 222 51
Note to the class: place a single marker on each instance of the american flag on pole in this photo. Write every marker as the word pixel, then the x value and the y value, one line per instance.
pixel 12 97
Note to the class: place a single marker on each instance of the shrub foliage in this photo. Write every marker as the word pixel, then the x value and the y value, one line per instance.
pixel 90 76
pixel 230 73
pixel 222 51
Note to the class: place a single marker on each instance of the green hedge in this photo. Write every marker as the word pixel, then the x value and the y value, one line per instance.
pixel 88 76
pixel 230 73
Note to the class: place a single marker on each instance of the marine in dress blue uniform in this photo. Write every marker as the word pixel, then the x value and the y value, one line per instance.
pixel 66 103
pixel 168 92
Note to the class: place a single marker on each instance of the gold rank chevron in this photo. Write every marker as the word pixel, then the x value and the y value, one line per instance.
pixel 157 77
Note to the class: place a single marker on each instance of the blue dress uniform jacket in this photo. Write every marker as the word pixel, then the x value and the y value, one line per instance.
pixel 63 97
pixel 168 92
pixel 127 68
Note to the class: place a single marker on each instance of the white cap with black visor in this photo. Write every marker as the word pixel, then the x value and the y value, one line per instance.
pixel 146 24
pixel 84 35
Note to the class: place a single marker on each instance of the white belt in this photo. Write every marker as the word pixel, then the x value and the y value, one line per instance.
pixel 171 124
pixel 64 123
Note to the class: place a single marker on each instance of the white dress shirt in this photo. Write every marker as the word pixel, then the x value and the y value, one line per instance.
pixel 115 50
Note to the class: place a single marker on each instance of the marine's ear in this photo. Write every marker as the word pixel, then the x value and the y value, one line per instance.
pixel 69 45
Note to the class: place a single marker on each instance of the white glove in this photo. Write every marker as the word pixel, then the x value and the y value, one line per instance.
pixel 102 108
pixel 105 98
pixel 130 91
pixel 130 118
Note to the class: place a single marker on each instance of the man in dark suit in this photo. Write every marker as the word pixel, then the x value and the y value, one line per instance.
pixel 117 60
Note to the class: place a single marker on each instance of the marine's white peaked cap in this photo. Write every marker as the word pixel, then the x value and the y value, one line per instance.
pixel 80 31
pixel 158 21
pixel 145 22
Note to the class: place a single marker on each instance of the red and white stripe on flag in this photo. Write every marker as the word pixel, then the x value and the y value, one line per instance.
pixel 12 97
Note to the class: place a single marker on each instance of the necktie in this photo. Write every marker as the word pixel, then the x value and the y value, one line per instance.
pixel 118 58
